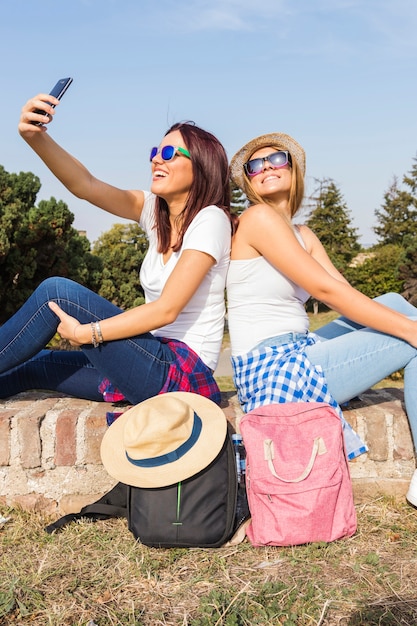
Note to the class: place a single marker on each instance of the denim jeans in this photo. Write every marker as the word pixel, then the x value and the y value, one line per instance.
pixel 138 366
pixel 355 358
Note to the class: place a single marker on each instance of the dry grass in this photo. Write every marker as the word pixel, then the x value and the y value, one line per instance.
pixel 97 574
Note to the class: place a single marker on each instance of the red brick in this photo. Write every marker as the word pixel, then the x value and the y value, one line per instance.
pixel 65 438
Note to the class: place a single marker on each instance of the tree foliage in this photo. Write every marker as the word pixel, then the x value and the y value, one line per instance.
pixel 397 217
pixel 37 242
pixel 397 225
pixel 330 220
pixel 121 251
pixel 239 201
pixel 379 271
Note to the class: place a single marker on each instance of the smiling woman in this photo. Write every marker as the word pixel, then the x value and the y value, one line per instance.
pixel 173 341
pixel 275 266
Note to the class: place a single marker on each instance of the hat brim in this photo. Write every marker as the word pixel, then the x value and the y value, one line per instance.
pixel 280 140
pixel 202 453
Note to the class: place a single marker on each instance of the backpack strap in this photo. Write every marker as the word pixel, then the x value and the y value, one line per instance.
pixel 319 447
pixel 112 504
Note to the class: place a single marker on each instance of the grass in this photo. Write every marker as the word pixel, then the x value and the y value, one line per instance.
pixel 96 574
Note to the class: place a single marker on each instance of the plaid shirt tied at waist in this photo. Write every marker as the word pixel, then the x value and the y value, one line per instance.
pixel 283 373
pixel 187 372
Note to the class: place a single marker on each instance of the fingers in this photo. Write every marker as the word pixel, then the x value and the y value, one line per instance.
pixel 37 112
pixel 67 326
pixel 57 310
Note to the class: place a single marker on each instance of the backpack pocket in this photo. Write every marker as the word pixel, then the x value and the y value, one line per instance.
pixel 292 513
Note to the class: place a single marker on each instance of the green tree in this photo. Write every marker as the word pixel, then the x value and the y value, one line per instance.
pixel 378 271
pixel 238 202
pixel 330 220
pixel 36 242
pixel 398 215
pixel 121 251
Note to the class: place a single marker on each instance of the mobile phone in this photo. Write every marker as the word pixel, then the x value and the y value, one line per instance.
pixel 58 91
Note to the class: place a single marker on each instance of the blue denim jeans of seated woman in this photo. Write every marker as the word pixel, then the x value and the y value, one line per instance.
pixel 138 366
pixel 355 358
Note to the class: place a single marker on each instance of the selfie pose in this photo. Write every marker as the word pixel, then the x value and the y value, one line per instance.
pixel 173 341
pixel 276 265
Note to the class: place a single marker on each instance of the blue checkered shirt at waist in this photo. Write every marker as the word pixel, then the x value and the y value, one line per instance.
pixel 283 373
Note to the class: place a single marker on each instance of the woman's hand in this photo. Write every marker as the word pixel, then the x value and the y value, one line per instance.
pixel 69 328
pixel 41 102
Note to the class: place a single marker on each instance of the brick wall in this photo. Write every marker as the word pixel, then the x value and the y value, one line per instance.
pixel 50 448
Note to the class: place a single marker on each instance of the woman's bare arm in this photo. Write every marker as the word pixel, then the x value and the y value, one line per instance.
pixel 71 172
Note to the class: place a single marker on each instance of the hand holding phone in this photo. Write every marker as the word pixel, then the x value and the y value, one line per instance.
pixel 58 91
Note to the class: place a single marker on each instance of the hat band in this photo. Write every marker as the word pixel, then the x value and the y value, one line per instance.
pixel 175 455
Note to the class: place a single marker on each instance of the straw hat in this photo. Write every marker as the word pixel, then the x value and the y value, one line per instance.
pixel 280 140
pixel 164 440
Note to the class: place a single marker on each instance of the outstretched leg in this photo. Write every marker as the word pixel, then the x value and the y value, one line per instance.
pixel 69 372
pixel 354 362
pixel 138 366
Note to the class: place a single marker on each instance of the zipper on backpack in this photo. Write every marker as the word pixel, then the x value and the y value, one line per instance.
pixel 178 511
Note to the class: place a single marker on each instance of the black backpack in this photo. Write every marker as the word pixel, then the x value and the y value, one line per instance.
pixel 203 511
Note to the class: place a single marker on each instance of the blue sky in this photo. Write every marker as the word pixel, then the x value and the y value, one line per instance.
pixel 337 75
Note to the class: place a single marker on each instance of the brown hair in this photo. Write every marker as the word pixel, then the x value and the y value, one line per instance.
pixel 210 184
pixel 296 190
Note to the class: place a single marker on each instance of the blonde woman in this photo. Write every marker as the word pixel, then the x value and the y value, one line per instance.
pixel 276 265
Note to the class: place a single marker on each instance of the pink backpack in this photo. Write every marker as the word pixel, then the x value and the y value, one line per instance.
pixel 297 475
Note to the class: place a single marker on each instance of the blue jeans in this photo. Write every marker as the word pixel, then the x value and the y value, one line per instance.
pixel 138 366
pixel 355 358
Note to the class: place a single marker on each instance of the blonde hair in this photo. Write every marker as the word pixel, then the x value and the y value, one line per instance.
pixel 296 190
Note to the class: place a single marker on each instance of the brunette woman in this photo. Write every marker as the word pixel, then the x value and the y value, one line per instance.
pixel 173 341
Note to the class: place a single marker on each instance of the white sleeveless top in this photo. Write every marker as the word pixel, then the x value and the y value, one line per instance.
pixel 262 303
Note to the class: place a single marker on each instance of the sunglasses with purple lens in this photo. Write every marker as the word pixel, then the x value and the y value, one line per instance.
pixel 276 159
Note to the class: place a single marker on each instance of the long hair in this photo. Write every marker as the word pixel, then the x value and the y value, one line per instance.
pixel 210 184
pixel 296 189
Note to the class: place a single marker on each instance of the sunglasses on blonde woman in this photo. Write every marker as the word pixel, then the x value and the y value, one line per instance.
pixel 276 159
pixel 168 152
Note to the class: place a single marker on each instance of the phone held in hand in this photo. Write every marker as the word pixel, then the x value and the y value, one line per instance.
pixel 58 91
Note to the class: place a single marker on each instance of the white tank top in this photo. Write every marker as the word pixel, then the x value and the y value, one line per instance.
pixel 262 303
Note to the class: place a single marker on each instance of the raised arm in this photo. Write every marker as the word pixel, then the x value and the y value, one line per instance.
pixel 73 174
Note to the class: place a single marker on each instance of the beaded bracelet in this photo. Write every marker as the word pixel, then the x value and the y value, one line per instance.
pixel 93 335
pixel 96 334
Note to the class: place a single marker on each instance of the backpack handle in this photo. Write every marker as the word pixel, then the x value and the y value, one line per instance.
pixel 319 447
